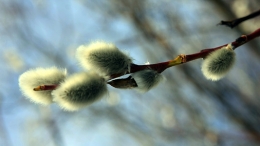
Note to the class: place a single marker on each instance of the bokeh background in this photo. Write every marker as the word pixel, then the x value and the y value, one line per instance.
pixel 184 110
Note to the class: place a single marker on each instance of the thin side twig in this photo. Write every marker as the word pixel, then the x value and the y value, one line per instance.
pixel 235 22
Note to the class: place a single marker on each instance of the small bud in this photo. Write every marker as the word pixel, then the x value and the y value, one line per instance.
pixel 38 77
pixel 79 90
pixel 218 63
pixel 147 79
pixel 104 58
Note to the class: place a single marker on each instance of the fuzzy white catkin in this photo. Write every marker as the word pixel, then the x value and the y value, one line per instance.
pixel 104 58
pixel 218 63
pixel 79 90
pixel 147 79
pixel 40 76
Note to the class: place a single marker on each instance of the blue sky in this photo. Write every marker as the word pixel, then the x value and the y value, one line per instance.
pixel 36 33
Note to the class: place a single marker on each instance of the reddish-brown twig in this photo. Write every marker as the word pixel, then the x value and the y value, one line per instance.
pixel 180 59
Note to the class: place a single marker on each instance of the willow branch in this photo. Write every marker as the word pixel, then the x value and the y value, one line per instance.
pixel 129 82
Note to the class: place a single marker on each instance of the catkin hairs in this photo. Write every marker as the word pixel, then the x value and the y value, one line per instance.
pixel 218 63
pixel 147 79
pixel 104 58
pixel 79 90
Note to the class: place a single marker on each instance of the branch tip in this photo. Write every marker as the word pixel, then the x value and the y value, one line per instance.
pixel 39 88
pixel 230 24
pixel 45 87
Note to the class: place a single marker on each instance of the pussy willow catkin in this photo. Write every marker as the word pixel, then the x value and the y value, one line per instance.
pixel 147 79
pixel 40 76
pixel 217 64
pixel 104 58
pixel 80 90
